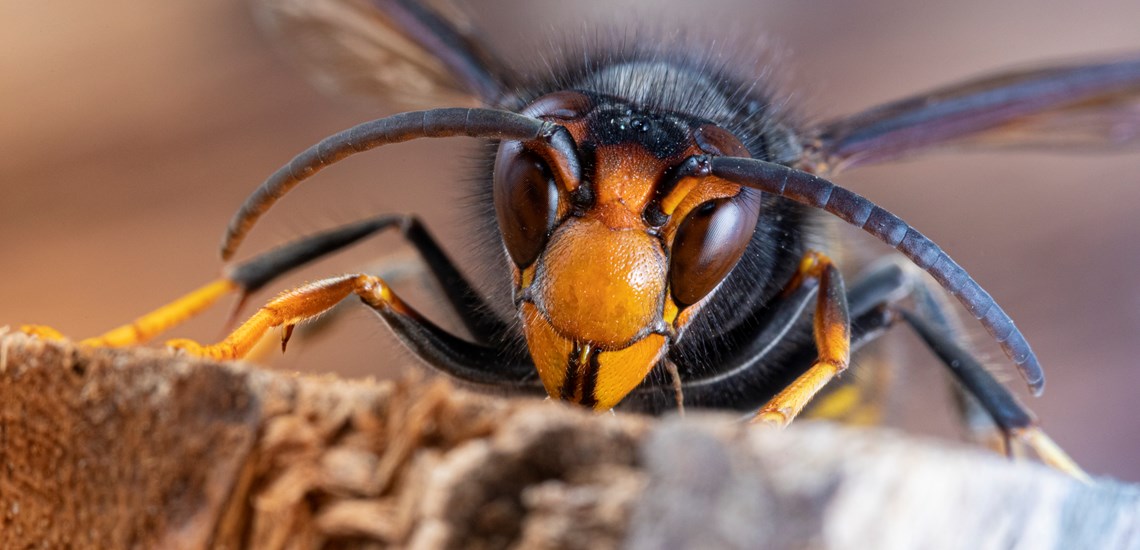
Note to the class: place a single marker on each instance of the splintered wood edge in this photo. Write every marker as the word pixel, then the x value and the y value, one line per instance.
pixel 117 448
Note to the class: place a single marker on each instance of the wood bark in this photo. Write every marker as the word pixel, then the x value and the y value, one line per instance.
pixel 148 449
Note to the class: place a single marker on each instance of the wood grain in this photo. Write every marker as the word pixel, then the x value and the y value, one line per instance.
pixel 145 448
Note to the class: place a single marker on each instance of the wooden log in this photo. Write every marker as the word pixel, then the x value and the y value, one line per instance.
pixel 148 449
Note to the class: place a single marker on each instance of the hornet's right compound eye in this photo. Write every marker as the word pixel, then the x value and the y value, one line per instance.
pixel 526 202
pixel 709 243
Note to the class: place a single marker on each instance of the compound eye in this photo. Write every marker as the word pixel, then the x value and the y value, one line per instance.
pixel 526 201
pixel 709 243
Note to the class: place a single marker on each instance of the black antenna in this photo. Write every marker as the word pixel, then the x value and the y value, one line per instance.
pixel 817 192
pixel 478 123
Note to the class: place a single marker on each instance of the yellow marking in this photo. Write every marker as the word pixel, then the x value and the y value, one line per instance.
pixel 687 315
pixel 150 325
pixel 671 311
pixel 549 350
pixel 810 263
pixel 848 404
pixel 376 292
pixel 621 370
pixel 526 277
pixel 838 403
pixel 709 189
pixel 584 354
pixel 670 202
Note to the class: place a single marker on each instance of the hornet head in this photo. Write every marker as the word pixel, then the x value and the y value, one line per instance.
pixel 617 234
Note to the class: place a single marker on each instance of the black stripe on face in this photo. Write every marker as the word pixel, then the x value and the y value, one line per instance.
pixel 573 373
pixel 590 381
pixel 581 376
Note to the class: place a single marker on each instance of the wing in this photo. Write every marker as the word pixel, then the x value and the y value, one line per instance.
pixel 1087 106
pixel 392 50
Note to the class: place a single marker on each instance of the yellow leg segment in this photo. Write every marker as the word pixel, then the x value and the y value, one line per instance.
pixel 164 318
pixel 1050 453
pixel 832 333
pixel 288 309
pixel 152 324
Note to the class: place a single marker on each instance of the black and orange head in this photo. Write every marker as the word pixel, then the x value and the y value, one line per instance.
pixel 618 235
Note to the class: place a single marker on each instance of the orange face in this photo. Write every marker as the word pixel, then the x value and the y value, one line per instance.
pixel 615 247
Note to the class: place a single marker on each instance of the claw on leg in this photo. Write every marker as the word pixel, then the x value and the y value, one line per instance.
pixel 287 310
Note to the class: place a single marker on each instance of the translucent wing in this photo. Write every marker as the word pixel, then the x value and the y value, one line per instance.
pixel 1088 106
pixel 409 52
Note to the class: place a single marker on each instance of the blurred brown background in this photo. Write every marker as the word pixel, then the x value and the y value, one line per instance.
pixel 130 131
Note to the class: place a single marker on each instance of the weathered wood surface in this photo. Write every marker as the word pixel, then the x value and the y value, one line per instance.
pixel 145 449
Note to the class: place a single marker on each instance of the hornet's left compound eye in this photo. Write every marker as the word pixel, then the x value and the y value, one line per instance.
pixel 709 243
pixel 526 201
